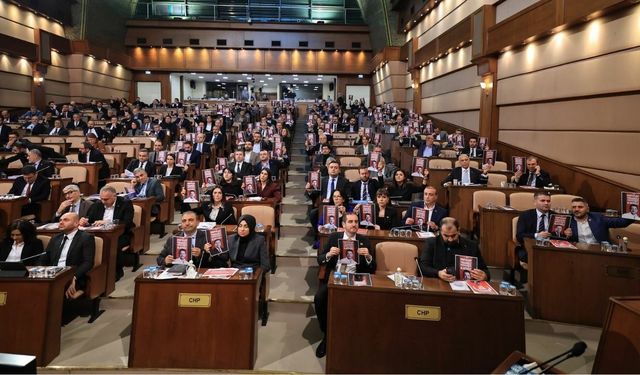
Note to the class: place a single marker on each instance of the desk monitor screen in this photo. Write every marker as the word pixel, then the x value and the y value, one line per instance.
pixel 13 269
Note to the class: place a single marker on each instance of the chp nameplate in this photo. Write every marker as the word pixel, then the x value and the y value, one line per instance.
pixel 3 298
pixel 417 312
pixel 194 300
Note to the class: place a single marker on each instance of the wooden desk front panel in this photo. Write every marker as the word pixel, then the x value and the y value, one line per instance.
pixel 368 331
pixel 495 234
pixel 31 316
pixel 10 210
pixel 222 336
pixel 619 347
pixel 377 236
pixel 574 286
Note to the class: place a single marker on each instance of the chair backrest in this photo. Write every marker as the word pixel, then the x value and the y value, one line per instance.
pixel 54 140
pixel 146 141
pixel 78 174
pixel 76 133
pixel 34 139
pixel 45 240
pixel 391 254
pixel 500 166
pixel 482 197
pixel 448 153
pixel 345 151
pixel 119 186
pixel 521 201
pixel 74 140
pixel 495 179
pixel 57 147
pixel 341 142
pixel 514 229
pixel 137 215
pixel 97 260
pixel 350 161
pixel 439 164
pixel 472 164
pixel 5 187
pixel 352 175
pixel 561 201
pixel 73 157
pixel 264 215
pixel 121 140
pixel 632 232
pixel 16 164
pixel 131 150
pixel 111 160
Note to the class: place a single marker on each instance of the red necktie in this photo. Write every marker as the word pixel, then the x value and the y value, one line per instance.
pixel 28 190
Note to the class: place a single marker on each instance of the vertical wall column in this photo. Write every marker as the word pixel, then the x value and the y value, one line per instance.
pixel 488 109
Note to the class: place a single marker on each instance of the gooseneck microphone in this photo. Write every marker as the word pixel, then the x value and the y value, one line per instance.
pixel 576 351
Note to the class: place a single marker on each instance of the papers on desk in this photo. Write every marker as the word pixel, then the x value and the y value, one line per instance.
pixel 508 208
pixel 220 273
pixel 459 285
pixel 50 226
pixel 128 173
pixel 480 287
pixel 425 234
pixel 254 199
pixel 206 225
pixel 562 244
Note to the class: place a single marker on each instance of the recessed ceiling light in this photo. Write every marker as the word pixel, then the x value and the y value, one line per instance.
pixel 248 77
pixel 225 77
pixel 284 81
pixel 262 80
pixel 270 78
pixel 239 80
pixel 201 77
pixel 306 85
pixel 244 74
pixel 306 81
pixel 267 75
pixel 147 72
pixel 319 79
pixel 219 74
pixel 265 84
pixel 193 74
pixel 217 80
pixel 320 75
pixel 295 75
pixel 295 78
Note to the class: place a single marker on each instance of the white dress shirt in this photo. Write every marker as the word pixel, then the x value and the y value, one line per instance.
pixel 108 213
pixel 65 249
pixel 16 252
pixel 584 232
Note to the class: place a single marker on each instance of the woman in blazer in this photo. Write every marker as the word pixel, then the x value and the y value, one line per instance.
pixel 403 189
pixel 170 169
pixel 218 210
pixel 229 183
pixel 268 188
pixel 246 247
pixel 21 242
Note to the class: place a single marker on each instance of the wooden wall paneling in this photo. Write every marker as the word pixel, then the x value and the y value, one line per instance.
pixel 461 33
pixel 163 78
pixel 197 58
pixel 305 61
pixel 279 60
pixel 224 59
pixel 574 10
pixel 169 58
pixel 17 47
pixel 251 60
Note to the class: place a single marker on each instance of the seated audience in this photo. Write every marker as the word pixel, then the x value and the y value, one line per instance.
pixel 72 202
pixel 534 176
pixel 591 227
pixel 35 187
pixel 467 175
pixel 247 248
pixel 21 242
pixel 433 211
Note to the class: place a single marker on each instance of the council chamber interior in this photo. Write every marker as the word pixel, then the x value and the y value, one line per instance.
pixel 320 186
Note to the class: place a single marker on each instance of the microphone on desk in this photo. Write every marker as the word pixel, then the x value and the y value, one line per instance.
pixel 33 256
pixel 576 351
pixel 418 264
pixel 225 219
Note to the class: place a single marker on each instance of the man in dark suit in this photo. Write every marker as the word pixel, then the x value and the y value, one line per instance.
pixel 328 258
pixel 427 149
pixel 43 167
pixel 114 129
pixel 110 207
pixel 58 129
pixel 533 223
pixel 215 138
pixel 74 248
pixel 267 163
pixel 439 256
pixel 365 189
pixel 141 162
pixel 201 145
pixel 535 177
pixel 193 156
pixel 88 154
pixel 4 132
pixel 239 166
pixel 76 123
pixel 146 187
pixel 472 149
pixel 91 129
pixel 434 213
pixel 33 186
pixel 329 183
pixel 39 129
pixel 467 175
pixel 365 148
pixel 157 148
pixel 589 227
pixel 72 202
pixel 201 253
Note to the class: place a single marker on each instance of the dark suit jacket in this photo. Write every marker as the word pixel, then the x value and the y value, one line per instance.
pixel 272 190
pixel 207 261
pixel 467 150
pixel 150 168
pixel 195 158
pixel 475 175
pixel 225 214
pixel 32 246
pixel 599 226
pixel 218 141
pixel 245 169
pixel 96 156
pixel 4 133
pixel 154 189
pixel 39 129
pixel 45 168
pixel 342 184
pixel 61 132
pixel 81 254
pixel 39 190
pixel 356 189
pixel 123 212
pixel 360 149
pixel 176 171
pixel 434 153
pixel 274 166
pixel 438 214
pixel 436 256
pixel 81 125
pixel 528 225
pixel 206 148
pixel 390 218
pixel 84 209
pixel 362 266
pixel 255 255
pixel 99 132
pixel 541 181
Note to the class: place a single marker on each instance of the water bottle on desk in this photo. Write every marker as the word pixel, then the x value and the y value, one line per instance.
pixel 397 278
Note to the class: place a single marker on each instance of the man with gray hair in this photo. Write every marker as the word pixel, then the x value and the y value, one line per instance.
pixel 109 208
pixel 72 202
pixel 43 167
pixel 146 187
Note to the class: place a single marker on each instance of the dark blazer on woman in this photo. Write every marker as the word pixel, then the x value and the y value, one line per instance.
pixel 404 191
pixel 176 171
pixel 32 246
pixel 390 218
pixel 272 190
pixel 255 255
pixel 233 188
pixel 224 214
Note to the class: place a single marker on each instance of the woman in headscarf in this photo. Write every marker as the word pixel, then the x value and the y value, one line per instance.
pixel 246 247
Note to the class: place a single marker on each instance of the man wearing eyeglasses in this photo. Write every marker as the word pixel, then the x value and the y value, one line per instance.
pixel 109 208
pixel 439 256
pixel 72 202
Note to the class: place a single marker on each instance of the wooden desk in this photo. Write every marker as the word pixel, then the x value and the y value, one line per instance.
pixel 375 237
pixel 220 335
pixel 406 157
pixel 10 210
pixel 359 342
pixel 619 347
pixel 145 222
pixel 119 160
pixel 57 185
pixel 574 286
pixel 109 250
pixel 495 234
pixel 460 199
pixel 93 169
pixel 171 184
pixel 31 315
